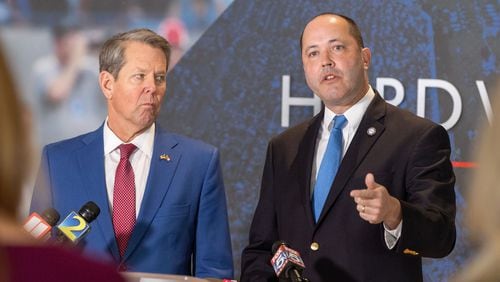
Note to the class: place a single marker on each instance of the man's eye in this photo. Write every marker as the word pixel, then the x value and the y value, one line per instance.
pixel 338 47
pixel 139 76
pixel 160 78
pixel 313 54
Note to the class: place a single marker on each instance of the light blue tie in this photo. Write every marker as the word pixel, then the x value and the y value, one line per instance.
pixel 329 165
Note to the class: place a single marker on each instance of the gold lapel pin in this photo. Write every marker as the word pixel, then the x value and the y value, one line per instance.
pixel 165 157
pixel 410 252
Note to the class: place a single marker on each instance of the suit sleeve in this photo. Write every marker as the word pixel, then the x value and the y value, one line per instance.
pixel 213 254
pixel 429 210
pixel 256 257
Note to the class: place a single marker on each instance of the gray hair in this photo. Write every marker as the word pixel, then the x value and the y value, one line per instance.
pixel 111 57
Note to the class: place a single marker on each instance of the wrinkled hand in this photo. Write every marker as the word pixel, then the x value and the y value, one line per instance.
pixel 376 205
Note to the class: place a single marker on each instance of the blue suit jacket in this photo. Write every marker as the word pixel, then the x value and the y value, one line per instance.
pixel 182 226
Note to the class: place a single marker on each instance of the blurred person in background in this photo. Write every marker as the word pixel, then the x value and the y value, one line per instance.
pixel 482 212
pixel 22 258
pixel 174 30
pixel 198 15
pixel 66 88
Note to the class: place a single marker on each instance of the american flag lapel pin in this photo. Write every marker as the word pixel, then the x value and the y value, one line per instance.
pixel 165 157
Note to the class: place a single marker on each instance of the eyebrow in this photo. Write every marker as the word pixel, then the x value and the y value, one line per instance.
pixel 139 69
pixel 316 45
pixel 310 47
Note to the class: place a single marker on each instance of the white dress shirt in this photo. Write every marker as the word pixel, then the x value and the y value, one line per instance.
pixel 140 161
pixel 353 115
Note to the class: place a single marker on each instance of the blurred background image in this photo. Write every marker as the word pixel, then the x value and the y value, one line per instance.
pixel 53 46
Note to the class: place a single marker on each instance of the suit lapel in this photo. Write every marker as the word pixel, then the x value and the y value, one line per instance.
pixel 359 147
pixel 302 164
pixel 91 162
pixel 164 162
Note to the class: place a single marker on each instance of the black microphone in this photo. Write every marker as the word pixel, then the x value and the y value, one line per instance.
pixel 39 226
pixel 76 225
pixel 287 263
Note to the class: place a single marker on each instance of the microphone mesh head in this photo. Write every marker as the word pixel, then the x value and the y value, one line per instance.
pixel 51 216
pixel 277 244
pixel 89 211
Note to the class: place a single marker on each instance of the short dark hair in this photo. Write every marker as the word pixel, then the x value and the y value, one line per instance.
pixel 111 57
pixel 353 28
pixel 60 31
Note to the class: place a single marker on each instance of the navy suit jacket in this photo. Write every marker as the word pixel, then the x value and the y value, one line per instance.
pixel 407 154
pixel 182 226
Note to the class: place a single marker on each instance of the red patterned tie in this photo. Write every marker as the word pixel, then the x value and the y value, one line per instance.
pixel 124 198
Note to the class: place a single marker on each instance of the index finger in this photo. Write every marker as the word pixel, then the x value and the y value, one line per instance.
pixel 363 193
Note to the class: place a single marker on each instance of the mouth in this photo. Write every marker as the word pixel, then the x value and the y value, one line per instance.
pixel 329 77
pixel 148 105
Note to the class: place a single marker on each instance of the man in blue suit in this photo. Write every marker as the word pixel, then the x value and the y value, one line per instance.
pixel 163 206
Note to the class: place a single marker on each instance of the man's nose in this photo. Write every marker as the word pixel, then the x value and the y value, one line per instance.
pixel 327 60
pixel 150 85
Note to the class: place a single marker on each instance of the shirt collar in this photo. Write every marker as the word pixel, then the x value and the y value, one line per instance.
pixel 144 141
pixel 353 115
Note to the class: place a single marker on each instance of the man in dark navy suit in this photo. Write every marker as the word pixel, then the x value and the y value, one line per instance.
pixel 368 208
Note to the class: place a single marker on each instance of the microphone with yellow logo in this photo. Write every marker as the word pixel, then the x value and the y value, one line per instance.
pixel 76 225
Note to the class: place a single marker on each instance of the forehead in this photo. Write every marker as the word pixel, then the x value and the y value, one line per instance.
pixel 141 52
pixel 325 27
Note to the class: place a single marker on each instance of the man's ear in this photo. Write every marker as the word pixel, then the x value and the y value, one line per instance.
pixel 367 56
pixel 106 82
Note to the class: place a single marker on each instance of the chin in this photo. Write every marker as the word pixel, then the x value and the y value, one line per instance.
pixel 146 121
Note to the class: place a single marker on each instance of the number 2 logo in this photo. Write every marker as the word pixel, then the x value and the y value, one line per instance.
pixel 71 230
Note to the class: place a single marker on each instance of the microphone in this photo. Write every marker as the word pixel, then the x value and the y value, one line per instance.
pixel 287 262
pixel 76 225
pixel 39 226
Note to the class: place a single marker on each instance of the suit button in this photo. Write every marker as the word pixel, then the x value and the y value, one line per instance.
pixel 314 246
pixel 122 267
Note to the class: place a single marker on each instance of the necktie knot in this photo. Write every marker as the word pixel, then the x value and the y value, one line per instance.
pixel 339 122
pixel 126 150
